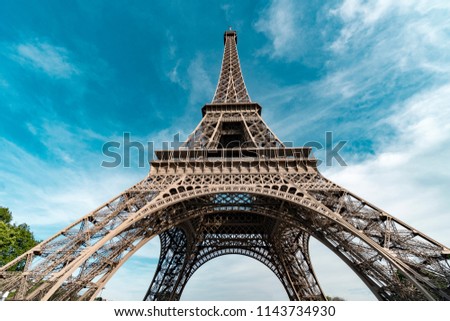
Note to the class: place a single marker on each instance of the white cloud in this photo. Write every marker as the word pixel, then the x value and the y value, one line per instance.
pixel 370 12
pixel 409 174
pixel 44 195
pixel 278 23
pixel 410 25
pixel 52 60
pixel 201 87
pixel 66 185
pixel 172 48
pixel 31 128
pixel 174 75
pixel 227 10
pixel 371 65
pixel 407 177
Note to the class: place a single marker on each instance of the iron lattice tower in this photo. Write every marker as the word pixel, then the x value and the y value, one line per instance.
pixel 233 188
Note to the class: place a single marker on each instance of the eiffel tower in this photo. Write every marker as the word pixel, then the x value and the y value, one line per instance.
pixel 233 188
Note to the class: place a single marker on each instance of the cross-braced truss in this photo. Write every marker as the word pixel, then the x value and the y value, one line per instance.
pixel 233 188
pixel 231 87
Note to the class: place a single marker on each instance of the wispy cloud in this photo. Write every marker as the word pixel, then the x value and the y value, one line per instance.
pixel 371 12
pixel 69 182
pixel 409 32
pixel 53 60
pixel 45 195
pixel 278 23
pixel 174 76
pixel 385 52
pixel 401 179
pixel 401 176
pixel 201 87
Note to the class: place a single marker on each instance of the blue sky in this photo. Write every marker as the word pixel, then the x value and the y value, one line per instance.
pixel 77 74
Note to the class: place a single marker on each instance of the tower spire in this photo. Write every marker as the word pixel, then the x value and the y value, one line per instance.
pixel 231 87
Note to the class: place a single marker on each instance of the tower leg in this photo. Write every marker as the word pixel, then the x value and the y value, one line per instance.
pixel 172 263
pixel 298 277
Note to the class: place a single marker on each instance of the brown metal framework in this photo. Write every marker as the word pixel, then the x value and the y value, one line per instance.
pixel 233 188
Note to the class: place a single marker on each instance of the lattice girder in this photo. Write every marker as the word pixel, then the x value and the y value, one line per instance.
pixel 231 87
pixel 252 235
pixel 250 129
pixel 172 263
pixel 160 214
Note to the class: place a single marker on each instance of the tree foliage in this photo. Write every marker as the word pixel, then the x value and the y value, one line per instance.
pixel 5 215
pixel 14 239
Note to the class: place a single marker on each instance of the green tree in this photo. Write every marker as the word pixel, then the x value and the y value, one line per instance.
pixel 5 215
pixel 14 239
